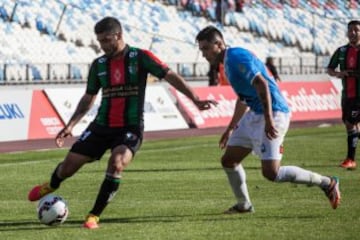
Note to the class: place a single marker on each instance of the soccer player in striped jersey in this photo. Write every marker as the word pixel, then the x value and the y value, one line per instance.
pixel 259 124
pixel 121 73
pixel 347 58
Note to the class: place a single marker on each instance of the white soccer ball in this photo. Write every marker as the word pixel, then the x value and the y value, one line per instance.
pixel 52 210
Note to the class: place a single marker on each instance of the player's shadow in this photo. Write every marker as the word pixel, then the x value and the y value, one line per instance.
pixel 9 226
pixel 161 219
pixel 318 165
pixel 21 225
pixel 203 217
pixel 176 169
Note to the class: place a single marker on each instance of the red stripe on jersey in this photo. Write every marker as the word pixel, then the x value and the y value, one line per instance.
pixel 117 73
pixel 156 59
pixel 351 87
pixel 351 63
pixel 116 115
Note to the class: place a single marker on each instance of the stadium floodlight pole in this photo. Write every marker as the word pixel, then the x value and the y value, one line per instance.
pixel 313 32
pixel 222 12
pixel 60 20
pixel 13 12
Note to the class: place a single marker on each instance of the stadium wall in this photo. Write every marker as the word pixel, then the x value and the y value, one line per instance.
pixel 40 112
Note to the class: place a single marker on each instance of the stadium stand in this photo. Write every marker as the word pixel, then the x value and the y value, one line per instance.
pixel 52 41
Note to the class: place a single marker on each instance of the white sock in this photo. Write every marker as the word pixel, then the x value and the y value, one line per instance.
pixel 237 180
pixel 298 175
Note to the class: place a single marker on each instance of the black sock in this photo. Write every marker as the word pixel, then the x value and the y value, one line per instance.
pixel 352 141
pixel 107 191
pixel 55 180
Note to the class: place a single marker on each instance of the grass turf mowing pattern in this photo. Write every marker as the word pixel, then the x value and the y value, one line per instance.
pixel 176 189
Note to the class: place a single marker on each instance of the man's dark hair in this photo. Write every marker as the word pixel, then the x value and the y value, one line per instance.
pixel 210 34
pixel 108 24
pixel 353 22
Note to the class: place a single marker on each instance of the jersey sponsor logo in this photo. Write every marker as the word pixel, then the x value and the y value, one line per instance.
pixel 121 91
pixel 85 135
pixel 354 114
pixel 130 136
pixel 102 60
pixel 101 74
pixel 263 148
pixel 133 54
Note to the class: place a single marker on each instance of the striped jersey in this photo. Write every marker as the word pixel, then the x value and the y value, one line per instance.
pixel 347 57
pixel 241 67
pixel 123 83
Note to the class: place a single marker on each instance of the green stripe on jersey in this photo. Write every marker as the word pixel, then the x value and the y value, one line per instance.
pixel 132 116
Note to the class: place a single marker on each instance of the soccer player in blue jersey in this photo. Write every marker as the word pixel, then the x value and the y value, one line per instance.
pixel 260 122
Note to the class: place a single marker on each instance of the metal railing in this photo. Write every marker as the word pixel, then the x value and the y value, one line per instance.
pixel 44 73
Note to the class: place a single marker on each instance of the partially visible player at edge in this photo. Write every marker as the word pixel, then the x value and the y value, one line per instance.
pixel 121 74
pixel 260 122
pixel 347 57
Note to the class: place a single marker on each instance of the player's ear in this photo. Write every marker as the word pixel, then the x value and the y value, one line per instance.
pixel 219 43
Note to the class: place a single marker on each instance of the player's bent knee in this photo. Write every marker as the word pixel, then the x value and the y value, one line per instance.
pixel 269 175
pixel 119 168
pixel 227 162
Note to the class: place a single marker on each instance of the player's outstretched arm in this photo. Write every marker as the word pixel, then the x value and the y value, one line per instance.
pixel 179 83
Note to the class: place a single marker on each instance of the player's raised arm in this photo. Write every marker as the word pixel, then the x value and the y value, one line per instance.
pixel 179 83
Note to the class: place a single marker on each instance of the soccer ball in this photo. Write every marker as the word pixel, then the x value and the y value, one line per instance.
pixel 52 210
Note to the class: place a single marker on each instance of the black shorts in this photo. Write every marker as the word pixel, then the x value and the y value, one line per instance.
pixel 350 110
pixel 96 139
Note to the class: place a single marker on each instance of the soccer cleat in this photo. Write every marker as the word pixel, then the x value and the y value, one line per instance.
pixel 91 222
pixel 236 209
pixel 348 163
pixel 39 191
pixel 333 192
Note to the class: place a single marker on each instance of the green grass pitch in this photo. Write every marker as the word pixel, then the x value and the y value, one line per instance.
pixel 176 189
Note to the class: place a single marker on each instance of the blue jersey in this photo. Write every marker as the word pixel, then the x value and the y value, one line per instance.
pixel 241 67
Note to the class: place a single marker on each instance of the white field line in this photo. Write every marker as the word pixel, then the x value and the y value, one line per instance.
pixel 139 153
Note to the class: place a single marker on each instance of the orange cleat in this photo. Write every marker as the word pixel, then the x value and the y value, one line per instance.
pixel 39 191
pixel 91 222
pixel 333 192
pixel 348 164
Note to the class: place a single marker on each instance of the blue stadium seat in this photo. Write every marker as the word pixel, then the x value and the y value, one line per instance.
pixel 284 30
pixel 35 73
